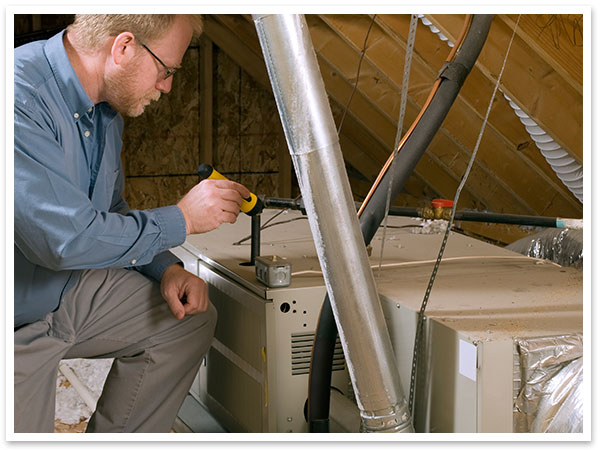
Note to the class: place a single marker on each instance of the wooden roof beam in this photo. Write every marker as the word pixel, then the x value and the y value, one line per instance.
pixel 557 39
pixel 243 51
pixel 340 91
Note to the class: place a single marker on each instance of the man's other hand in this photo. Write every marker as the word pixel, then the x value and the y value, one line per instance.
pixel 185 293
pixel 211 203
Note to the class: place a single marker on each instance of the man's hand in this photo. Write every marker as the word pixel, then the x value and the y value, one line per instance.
pixel 210 203
pixel 178 284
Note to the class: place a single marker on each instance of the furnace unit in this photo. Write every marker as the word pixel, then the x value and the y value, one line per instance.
pixel 487 302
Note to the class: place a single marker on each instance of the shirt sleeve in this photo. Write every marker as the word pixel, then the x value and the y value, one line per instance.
pixel 159 264
pixel 56 224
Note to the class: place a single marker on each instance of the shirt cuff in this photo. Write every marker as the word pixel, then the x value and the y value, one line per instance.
pixel 172 225
pixel 159 264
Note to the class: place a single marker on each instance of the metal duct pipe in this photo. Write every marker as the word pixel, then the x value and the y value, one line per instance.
pixel 313 142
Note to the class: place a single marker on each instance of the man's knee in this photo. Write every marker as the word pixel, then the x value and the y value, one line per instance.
pixel 203 327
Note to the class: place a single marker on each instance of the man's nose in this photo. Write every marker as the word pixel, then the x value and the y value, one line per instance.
pixel 164 86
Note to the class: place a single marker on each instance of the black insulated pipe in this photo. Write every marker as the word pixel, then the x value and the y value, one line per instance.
pixel 477 216
pixel 511 219
pixel 430 213
pixel 255 239
pixel 415 146
pixel 318 401
pixel 284 203
pixel 373 214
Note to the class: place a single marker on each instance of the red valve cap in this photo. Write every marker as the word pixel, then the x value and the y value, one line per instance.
pixel 441 203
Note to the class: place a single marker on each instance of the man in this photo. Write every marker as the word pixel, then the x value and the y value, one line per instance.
pixel 76 241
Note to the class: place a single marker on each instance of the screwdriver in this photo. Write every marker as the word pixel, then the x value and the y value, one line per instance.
pixel 250 206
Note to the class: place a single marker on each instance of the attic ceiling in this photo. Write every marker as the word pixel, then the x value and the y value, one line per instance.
pixel 543 77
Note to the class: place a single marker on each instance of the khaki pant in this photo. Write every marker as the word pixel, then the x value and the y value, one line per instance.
pixel 112 313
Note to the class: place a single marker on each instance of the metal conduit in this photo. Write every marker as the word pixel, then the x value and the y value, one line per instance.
pixel 314 146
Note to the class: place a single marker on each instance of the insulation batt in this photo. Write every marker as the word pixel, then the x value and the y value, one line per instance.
pixel 70 408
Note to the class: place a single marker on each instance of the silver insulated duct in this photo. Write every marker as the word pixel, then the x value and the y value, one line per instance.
pixel 313 142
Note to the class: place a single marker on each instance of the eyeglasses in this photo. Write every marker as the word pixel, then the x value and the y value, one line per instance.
pixel 168 70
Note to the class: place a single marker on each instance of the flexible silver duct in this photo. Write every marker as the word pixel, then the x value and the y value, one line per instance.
pixel 313 142
pixel 564 246
pixel 551 397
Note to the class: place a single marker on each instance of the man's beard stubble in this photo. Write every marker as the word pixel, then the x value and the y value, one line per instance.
pixel 120 93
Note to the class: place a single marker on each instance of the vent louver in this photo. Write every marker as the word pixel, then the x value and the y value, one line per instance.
pixel 301 350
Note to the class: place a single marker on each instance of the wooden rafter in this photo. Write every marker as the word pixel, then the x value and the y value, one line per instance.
pixel 557 39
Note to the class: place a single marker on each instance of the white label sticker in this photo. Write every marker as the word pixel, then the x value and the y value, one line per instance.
pixel 467 359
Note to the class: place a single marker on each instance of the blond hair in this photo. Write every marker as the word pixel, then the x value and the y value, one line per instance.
pixel 91 30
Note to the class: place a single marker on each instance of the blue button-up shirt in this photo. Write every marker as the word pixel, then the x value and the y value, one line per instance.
pixel 69 210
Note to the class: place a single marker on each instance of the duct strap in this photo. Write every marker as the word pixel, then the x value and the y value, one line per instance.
pixel 417 349
pixel 414 20
pixel 454 71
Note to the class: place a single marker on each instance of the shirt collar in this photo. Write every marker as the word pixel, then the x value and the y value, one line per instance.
pixel 78 101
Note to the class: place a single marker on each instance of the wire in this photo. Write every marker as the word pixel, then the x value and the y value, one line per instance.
pixel 244 239
pixel 410 47
pixel 280 212
pixel 433 261
pixel 362 55
pixel 241 241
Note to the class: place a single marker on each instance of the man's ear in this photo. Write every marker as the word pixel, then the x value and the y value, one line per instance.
pixel 123 49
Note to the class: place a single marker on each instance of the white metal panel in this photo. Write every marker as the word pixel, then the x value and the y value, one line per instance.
pixel 495 386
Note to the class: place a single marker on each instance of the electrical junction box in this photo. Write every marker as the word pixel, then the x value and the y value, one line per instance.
pixel 484 299
pixel 273 271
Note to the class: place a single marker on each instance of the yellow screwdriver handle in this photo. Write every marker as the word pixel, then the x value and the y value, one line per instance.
pixel 251 205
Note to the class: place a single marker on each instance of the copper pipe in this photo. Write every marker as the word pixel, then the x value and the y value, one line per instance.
pixel 434 89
